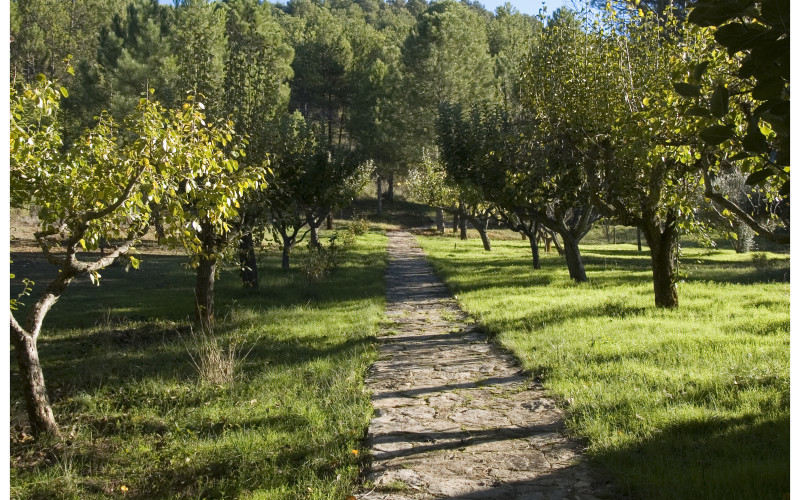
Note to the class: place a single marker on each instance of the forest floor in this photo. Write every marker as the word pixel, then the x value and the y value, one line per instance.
pixel 454 416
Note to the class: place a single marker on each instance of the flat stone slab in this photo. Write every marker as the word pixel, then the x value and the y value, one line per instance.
pixel 454 416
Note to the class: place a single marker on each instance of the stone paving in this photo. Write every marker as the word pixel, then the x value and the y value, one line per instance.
pixel 455 417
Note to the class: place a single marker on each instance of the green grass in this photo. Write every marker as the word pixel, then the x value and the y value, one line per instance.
pixel 140 423
pixel 690 403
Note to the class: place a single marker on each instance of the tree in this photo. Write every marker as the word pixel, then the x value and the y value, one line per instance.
pixel 446 59
pixel 45 33
pixel 309 182
pixel 198 42
pixel 320 88
pixel 134 56
pixel 200 215
pixel 510 35
pixel 427 182
pixel 565 85
pixel 97 189
pixel 643 167
pixel 741 101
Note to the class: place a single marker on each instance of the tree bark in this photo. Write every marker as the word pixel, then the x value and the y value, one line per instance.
pixel 247 261
pixel 481 226
pixel 285 258
pixel 662 255
pixel 288 244
pixel 534 242
pixel 314 232
pixel 462 222
pixel 639 239
pixel 455 222
pixel 573 256
pixel 204 291
pixel 390 188
pixel 329 221
pixel 440 220
pixel 559 248
pixel 380 195
pixel 40 413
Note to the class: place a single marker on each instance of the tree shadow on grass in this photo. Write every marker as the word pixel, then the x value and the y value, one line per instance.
pixel 737 458
pixel 743 458
pixel 76 364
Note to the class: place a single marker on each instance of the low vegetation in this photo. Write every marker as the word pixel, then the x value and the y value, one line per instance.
pixel 684 403
pixel 145 414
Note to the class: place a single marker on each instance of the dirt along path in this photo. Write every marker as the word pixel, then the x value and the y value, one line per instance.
pixel 455 417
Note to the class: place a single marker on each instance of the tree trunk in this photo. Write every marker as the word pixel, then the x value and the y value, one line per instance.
pixel 440 220
pixel 285 258
pixel 559 248
pixel 40 414
pixel 639 239
pixel 204 291
pixel 455 222
pixel 481 226
pixel 247 261
pixel 288 243
pixel 380 195
pixel 390 189
pixel 329 221
pixel 662 255
pixel 534 246
pixel 462 222
pixel 573 256
pixel 314 232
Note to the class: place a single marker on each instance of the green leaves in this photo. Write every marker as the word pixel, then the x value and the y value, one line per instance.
pixel 686 89
pixel 714 13
pixel 716 134
pixel 759 176
pixel 719 101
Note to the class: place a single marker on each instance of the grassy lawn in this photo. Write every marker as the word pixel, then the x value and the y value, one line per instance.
pixel 689 403
pixel 140 422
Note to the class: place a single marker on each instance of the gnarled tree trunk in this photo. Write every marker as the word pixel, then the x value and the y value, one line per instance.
pixel 40 413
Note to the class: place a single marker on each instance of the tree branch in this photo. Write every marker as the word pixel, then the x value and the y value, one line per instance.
pixel 740 214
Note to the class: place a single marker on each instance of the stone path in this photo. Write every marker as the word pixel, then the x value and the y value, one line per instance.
pixel 454 416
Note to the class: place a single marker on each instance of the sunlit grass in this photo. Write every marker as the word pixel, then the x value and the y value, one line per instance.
pixel 142 424
pixel 686 403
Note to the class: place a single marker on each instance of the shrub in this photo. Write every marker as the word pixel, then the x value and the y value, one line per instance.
pixel 321 261
pixel 359 224
pixel 216 360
